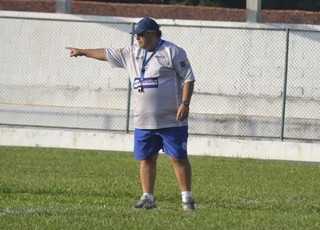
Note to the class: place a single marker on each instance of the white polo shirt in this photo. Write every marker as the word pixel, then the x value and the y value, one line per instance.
pixel 166 72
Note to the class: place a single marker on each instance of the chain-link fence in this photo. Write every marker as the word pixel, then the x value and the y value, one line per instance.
pixel 251 82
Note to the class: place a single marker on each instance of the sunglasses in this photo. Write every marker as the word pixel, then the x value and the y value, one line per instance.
pixel 142 34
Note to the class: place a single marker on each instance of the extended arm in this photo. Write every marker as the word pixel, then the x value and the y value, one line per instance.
pixel 98 54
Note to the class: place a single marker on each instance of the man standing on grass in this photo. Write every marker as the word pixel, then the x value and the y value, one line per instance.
pixel 162 81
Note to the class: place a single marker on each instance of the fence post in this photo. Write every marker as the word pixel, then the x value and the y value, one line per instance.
pixel 129 91
pixel 128 106
pixel 253 10
pixel 64 6
pixel 284 96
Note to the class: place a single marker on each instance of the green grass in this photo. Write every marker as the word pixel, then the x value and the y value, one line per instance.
pixel 43 188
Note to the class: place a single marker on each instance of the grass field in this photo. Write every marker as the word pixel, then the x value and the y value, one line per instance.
pixel 44 188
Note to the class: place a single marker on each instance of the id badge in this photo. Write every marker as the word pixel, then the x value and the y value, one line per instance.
pixel 140 87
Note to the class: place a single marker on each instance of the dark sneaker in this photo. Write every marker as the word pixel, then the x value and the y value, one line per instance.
pixel 145 203
pixel 188 205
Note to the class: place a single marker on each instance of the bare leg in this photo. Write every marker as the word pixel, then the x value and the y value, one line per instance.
pixel 182 169
pixel 148 173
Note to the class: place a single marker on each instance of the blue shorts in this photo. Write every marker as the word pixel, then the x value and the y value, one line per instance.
pixel 173 141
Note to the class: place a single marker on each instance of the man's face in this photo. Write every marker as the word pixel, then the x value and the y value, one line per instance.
pixel 145 39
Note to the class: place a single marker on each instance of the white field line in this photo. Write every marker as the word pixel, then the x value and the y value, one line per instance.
pixel 30 211
pixel 39 210
pixel 27 211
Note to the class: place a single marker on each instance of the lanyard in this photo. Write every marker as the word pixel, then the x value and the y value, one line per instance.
pixel 146 61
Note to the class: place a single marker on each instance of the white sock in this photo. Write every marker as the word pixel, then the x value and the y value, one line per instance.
pixel 185 195
pixel 149 196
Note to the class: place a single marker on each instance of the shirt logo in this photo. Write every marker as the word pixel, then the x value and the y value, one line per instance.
pixel 185 63
pixel 159 56
pixel 151 82
pixel 139 57
pixel 184 145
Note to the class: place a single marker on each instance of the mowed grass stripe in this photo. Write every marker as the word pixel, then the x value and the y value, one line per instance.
pixel 47 188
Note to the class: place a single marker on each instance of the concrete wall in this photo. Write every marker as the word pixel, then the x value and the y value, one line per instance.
pixel 36 71
pixel 228 58
pixel 239 68
pixel 197 145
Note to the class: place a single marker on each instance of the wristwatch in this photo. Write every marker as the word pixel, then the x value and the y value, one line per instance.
pixel 186 103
